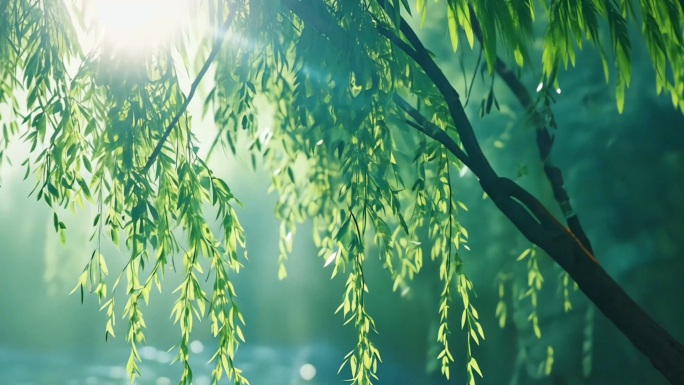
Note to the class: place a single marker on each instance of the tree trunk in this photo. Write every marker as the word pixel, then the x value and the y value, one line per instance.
pixel 665 353
pixel 530 217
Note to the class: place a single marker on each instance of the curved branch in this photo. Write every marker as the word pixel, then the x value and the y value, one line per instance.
pixel 544 140
pixel 538 210
pixel 193 88
pixel 665 353
pixel 479 164
pixel 466 133
pixel 430 129
pixel 535 207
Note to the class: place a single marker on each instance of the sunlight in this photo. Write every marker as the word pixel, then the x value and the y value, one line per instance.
pixel 140 25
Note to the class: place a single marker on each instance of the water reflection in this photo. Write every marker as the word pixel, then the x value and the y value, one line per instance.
pixel 287 365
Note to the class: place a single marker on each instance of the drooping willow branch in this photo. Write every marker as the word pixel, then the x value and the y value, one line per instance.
pixel 480 165
pixel 216 47
pixel 544 140
pixel 665 353
pixel 430 129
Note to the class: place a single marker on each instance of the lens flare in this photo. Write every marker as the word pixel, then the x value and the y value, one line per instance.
pixel 136 26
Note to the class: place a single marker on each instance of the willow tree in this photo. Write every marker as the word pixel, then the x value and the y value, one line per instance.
pixel 359 101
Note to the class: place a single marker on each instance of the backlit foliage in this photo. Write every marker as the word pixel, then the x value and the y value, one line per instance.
pixel 110 128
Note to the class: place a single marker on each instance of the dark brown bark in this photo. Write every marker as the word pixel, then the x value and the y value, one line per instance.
pixel 537 224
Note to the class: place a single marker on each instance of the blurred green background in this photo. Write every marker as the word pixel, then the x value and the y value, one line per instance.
pixel 624 173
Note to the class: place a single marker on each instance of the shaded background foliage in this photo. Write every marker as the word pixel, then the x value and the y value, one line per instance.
pixel 623 172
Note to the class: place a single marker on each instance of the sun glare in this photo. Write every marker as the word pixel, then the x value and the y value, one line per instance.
pixel 140 25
